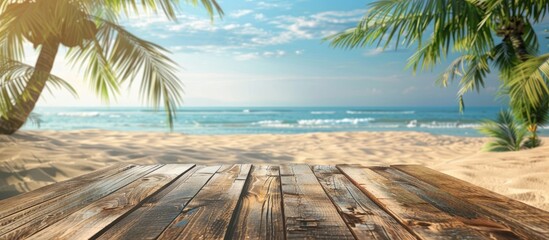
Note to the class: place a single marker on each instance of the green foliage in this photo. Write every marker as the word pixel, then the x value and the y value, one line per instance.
pixel 533 117
pixel 532 142
pixel 14 76
pixel 538 115
pixel 507 132
pixel 528 85
pixel 109 55
pixel 486 34
pixel 437 27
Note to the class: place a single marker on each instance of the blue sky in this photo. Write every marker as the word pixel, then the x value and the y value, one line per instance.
pixel 270 53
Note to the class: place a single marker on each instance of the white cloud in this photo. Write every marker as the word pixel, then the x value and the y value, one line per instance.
pixel 250 29
pixel 373 52
pixel 259 16
pixel 215 49
pixel 145 22
pixel 193 26
pixel 241 13
pixel 299 52
pixel 257 55
pixel 231 26
pixel 252 36
pixel 314 26
pixel 299 27
pixel 271 5
pixel 340 16
pixel 277 53
pixel 247 56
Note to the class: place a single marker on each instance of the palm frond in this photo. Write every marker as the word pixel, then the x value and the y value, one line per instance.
pixel 529 81
pixel 123 57
pixel 530 38
pixel 453 71
pixel 13 24
pixel 536 115
pixel 505 59
pixel 98 71
pixel 506 132
pixel 14 77
pixel 471 71
pixel 453 23
pixel 168 7
pixel 534 9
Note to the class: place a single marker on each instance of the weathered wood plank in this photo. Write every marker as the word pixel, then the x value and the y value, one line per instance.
pixel 464 211
pixel 520 217
pixel 86 222
pixel 29 199
pixel 209 213
pixel 151 218
pixel 425 220
pixel 260 211
pixel 308 211
pixel 365 219
pixel 232 201
pixel 34 219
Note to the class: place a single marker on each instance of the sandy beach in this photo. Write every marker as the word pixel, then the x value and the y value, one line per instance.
pixel 32 159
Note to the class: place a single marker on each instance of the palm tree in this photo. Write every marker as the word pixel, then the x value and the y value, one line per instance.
pixel 108 54
pixel 485 34
pixel 507 132
pixel 532 117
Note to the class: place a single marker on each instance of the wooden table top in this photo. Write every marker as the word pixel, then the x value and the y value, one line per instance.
pixel 243 201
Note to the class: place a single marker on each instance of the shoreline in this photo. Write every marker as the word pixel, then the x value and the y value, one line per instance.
pixel 38 131
pixel 31 159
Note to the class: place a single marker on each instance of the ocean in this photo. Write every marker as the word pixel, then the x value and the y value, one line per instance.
pixel 271 120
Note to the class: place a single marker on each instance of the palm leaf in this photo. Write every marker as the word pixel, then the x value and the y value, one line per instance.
pixel 506 132
pixel 14 76
pixel 168 7
pixel 123 57
pixel 529 82
pixel 452 23
pixel 471 70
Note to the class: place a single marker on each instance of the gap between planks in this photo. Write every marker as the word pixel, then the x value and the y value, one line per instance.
pixel 302 201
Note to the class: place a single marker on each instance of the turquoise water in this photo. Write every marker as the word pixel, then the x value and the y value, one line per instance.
pixel 275 120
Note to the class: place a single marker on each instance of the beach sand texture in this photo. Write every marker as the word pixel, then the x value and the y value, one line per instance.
pixel 32 159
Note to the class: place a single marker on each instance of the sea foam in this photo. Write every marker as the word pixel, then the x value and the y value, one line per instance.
pixel 79 114
pixel 380 112
pixel 353 121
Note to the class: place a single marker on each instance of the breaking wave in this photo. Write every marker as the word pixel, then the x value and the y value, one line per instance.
pixel 79 114
pixel 380 112
pixel 322 112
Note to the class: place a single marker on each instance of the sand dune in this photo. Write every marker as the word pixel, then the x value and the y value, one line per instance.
pixel 31 159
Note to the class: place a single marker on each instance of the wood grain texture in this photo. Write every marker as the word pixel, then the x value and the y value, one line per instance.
pixel 308 212
pixel 150 219
pixel 86 222
pixel 29 199
pixel 209 213
pixel 520 217
pixel 365 219
pixel 34 219
pixel 260 210
pixel 268 202
pixel 469 214
pixel 425 220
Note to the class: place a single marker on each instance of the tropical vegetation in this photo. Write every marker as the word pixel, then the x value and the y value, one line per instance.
pixel 508 134
pixel 485 35
pixel 109 56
